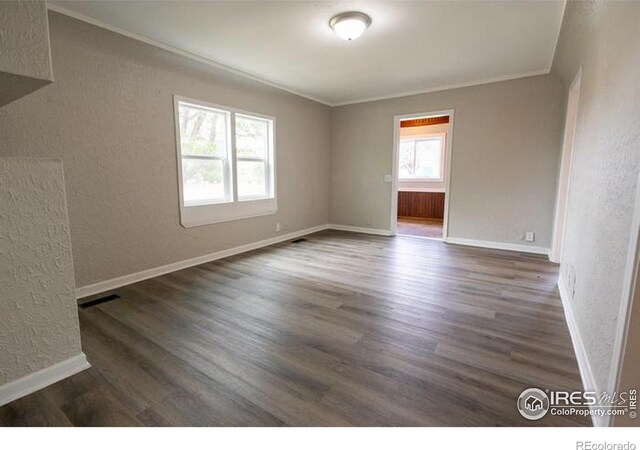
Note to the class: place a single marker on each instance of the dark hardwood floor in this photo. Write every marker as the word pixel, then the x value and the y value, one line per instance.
pixel 421 227
pixel 340 329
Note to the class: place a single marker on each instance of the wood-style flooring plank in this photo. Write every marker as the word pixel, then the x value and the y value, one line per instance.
pixel 340 329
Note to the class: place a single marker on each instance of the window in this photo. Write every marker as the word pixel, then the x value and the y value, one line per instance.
pixel 252 154
pixel 225 163
pixel 206 153
pixel 422 158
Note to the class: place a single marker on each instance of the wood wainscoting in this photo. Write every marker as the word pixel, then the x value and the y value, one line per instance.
pixel 421 204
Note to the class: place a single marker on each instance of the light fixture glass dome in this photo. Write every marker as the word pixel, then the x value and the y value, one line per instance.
pixel 350 25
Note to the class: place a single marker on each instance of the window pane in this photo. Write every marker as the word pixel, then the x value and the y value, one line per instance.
pixel 406 169
pixel 428 158
pixel 252 136
pixel 203 181
pixel 251 179
pixel 202 131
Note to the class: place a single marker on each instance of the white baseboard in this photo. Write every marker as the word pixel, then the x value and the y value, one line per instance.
pixel 376 231
pixel 498 245
pixel 42 378
pixel 586 374
pixel 114 283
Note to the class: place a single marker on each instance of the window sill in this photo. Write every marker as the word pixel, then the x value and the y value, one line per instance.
pixel 196 216
pixel 420 189
pixel 421 180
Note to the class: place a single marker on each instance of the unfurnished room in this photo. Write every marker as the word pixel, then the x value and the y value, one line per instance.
pixel 324 214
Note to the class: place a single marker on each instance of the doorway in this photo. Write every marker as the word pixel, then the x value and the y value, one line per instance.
pixel 564 179
pixel 421 174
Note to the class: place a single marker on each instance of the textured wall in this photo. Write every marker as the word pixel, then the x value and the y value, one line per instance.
pixel 25 63
pixel 38 313
pixel 109 115
pixel 506 141
pixel 603 38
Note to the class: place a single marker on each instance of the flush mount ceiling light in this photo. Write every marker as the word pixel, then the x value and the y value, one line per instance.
pixel 350 25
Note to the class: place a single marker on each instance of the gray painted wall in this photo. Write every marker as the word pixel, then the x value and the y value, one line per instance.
pixel 506 141
pixel 25 62
pixel 38 312
pixel 109 115
pixel 603 38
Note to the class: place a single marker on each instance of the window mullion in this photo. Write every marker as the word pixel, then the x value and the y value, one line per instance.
pixel 442 157
pixel 233 163
pixel 250 159
pixel 414 158
pixel 267 163
pixel 206 157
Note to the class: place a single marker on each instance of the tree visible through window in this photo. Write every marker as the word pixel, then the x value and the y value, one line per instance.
pixel 212 157
pixel 421 158
pixel 252 150
pixel 204 143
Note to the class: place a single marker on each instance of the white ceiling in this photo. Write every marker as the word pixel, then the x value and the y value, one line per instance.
pixel 410 47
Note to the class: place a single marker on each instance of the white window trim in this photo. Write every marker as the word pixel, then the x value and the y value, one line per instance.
pixel 234 208
pixel 267 161
pixel 443 147
pixel 420 189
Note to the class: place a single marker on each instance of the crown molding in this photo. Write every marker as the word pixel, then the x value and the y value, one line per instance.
pixel 210 62
pixel 532 73
pixel 555 47
pixel 179 51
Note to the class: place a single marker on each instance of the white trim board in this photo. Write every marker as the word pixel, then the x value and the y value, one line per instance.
pixel 178 51
pixel 419 189
pixel 38 380
pixel 563 188
pixel 555 46
pixel 395 182
pixel 207 60
pixel 125 280
pixel 586 373
pixel 498 245
pixel 376 231
pixel 445 87
pixel 114 283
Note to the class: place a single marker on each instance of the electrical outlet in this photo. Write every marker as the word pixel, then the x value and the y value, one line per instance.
pixel 369 223
pixel 278 226
pixel 530 236
pixel 388 178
